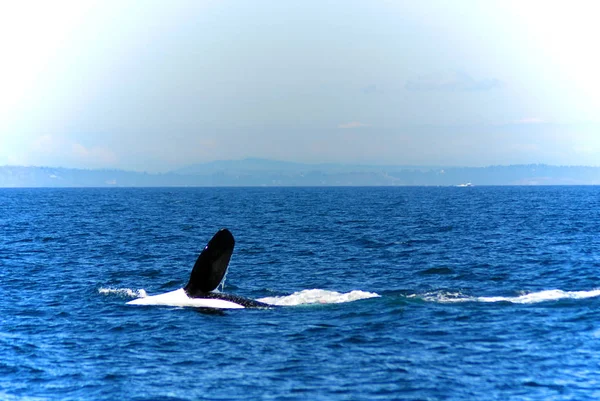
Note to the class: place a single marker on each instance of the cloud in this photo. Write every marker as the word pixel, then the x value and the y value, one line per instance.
pixel 46 144
pixel 96 155
pixel 451 81
pixel 370 89
pixel 58 150
pixel 353 124
pixel 529 120
pixel 526 147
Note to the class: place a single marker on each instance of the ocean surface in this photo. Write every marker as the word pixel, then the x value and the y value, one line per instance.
pixel 411 293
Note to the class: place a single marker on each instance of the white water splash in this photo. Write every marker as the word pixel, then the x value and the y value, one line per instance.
pixel 181 299
pixel 529 298
pixel 317 296
pixel 124 292
pixel 543 296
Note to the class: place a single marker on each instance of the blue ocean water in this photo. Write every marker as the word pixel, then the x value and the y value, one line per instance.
pixel 485 293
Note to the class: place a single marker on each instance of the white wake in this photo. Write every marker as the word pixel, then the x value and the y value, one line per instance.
pixel 526 298
pixel 316 296
pixel 179 298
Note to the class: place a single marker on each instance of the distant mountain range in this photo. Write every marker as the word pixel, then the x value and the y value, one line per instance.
pixel 260 172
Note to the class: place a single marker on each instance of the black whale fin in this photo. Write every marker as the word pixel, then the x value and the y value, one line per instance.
pixel 212 264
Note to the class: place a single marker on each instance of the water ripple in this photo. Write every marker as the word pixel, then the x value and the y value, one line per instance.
pixel 490 293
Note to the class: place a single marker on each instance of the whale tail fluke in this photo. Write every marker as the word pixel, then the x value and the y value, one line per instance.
pixel 211 265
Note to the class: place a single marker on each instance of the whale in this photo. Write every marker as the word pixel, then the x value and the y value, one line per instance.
pixel 207 274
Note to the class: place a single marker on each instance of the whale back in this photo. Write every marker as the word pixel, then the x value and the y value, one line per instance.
pixel 211 265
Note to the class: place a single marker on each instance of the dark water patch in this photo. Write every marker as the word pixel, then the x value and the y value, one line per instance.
pixel 421 242
pixel 531 383
pixel 437 270
pixel 150 273
pixel 210 311
pixel 32 312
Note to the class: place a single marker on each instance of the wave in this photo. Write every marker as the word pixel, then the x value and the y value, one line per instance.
pixel 526 298
pixel 9 397
pixel 317 296
pixel 124 292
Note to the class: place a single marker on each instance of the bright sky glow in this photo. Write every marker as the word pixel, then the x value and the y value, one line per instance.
pixel 157 85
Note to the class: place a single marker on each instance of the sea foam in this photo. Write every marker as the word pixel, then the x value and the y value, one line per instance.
pixel 124 292
pixel 317 296
pixel 526 298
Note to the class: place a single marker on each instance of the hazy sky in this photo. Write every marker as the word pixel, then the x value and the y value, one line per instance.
pixel 156 85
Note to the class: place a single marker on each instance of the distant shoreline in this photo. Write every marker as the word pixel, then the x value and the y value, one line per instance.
pixel 265 173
